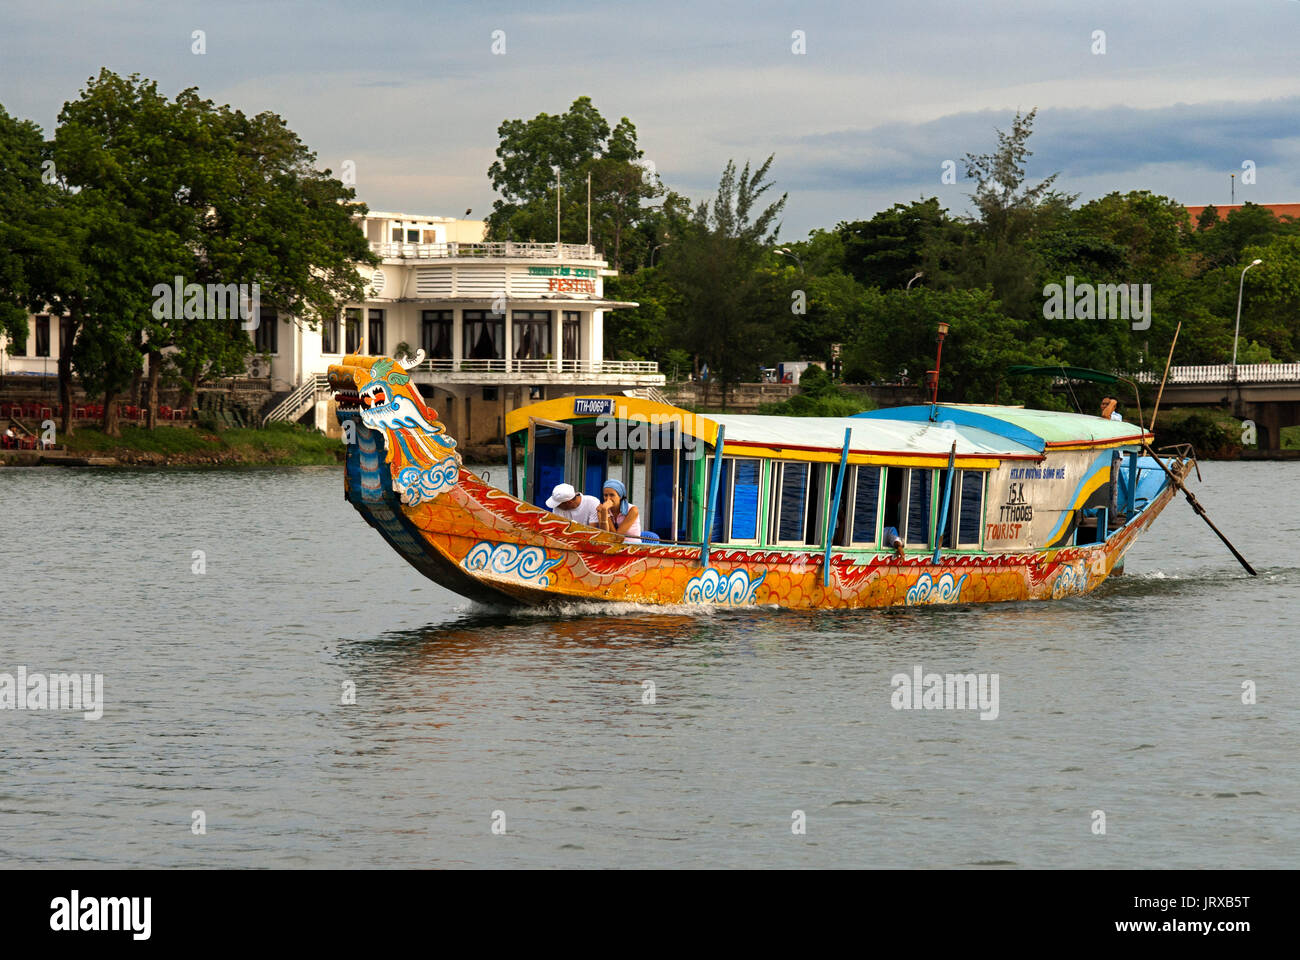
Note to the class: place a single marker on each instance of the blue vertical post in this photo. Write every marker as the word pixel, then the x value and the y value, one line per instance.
pixel 714 480
pixel 947 498
pixel 1132 482
pixel 835 507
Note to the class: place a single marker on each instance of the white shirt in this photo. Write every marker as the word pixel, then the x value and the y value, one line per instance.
pixel 585 512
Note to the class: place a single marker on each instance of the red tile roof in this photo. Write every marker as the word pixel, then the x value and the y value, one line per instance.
pixel 1279 209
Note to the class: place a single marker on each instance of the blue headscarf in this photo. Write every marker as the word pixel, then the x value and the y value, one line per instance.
pixel 617 487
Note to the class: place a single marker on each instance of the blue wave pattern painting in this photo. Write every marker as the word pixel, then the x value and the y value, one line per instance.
pixel 736 589
pixel 927 590
pixel 525 564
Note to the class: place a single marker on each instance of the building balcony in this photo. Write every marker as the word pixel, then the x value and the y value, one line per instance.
pixel 507 249
pixel 494 372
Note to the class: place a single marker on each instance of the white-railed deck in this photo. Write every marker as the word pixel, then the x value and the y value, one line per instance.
pixel 637 373
pixel 506 249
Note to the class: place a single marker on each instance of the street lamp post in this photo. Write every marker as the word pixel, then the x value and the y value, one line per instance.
pixel 1240 287
pixel 919 275
pixel 786 252
pixel 653 249
pixel 938 361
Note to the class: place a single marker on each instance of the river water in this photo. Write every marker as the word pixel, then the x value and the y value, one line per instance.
pixel 224 741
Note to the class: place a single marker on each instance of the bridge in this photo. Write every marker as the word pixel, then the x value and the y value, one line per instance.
pixel 1267 393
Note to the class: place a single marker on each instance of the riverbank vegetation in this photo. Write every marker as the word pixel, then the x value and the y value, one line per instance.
pixel 278 444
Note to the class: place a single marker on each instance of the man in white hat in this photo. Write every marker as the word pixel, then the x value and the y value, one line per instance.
pixel 568 503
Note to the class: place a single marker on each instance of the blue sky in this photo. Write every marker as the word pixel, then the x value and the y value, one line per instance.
pixel 884 94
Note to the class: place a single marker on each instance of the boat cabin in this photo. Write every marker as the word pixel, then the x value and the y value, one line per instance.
pixel 955 478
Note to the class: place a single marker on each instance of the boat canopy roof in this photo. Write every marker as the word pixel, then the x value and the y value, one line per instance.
pixel 984 434
pixel 1037 428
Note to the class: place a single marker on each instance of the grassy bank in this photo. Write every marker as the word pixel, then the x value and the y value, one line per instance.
pixel 281 444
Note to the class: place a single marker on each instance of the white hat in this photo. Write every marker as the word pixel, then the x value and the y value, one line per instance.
pixel 562 493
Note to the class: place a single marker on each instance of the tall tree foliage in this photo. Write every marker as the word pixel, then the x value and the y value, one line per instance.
pixel 713 263
pixel 573 145
pixel 210 195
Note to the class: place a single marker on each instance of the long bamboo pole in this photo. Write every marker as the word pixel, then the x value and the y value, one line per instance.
pixel 1165 377
pixel 1201 511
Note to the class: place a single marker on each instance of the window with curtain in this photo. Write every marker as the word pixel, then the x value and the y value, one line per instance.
pixel 572 336
pixel 532 334
pixel 42 336
pixel 329 336
pixel 375 343
pixel 352 329
pixel 266 338
pixel 485 335
pixel 435 334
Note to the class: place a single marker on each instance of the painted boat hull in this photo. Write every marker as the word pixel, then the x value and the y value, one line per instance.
pixel 480 542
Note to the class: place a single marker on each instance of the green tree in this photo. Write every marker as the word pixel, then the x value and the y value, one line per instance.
pixel 214 196
pixel 574 145
pixel 899 332
pixel 22 193
pixel 722 314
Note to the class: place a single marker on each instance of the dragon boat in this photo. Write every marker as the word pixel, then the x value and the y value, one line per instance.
pixel 991 503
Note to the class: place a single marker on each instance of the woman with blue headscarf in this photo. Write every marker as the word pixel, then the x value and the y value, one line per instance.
pixel 615 513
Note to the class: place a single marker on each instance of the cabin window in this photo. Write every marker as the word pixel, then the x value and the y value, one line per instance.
pixel 736 519
pixel 907 504
pixel 595 470
pixel 659 493
pixel 789 501
pixel 744 500
pixel 918 507
pixel 865 496
pixel 965 508
pixel 816 507
pixel 722 505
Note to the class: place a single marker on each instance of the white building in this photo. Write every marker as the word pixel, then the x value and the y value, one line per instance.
pixel 501 324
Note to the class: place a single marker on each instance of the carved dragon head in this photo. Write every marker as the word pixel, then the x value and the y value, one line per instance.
pixel 378 391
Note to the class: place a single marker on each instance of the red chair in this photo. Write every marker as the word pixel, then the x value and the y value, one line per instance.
pixel 181 413
pixel 79 412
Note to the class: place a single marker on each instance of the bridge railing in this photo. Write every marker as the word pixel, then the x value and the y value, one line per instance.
pixel 1222 373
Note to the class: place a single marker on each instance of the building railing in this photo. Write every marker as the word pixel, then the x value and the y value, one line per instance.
pixel 509 248
pixel 1223 373
pixel 538 366
pixel 303 396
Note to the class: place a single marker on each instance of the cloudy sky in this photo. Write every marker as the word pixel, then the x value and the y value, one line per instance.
pixel 885 92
